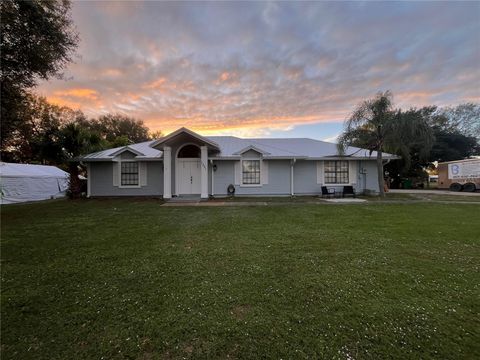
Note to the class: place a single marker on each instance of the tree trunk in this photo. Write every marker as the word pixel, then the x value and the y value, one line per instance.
pixel 380 173
pixel 75 185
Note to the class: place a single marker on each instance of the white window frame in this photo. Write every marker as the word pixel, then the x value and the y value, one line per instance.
pixel 120 176
pixel 336 184
pixel 242 184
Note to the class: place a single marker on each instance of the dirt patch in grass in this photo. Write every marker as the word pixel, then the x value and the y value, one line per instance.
pixel 239 312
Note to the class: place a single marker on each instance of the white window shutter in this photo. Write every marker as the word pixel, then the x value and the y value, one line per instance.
pixel 352 172
pixel 320 172
pixel 116 173
pixel 143 173
pixel 238 172
pixel 264 172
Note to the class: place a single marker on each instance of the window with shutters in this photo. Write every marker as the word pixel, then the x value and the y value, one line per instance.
pixel 129 174
pixel 251 172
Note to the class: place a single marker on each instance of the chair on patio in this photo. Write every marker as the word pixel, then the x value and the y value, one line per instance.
pixel 348 191
pixel 326 192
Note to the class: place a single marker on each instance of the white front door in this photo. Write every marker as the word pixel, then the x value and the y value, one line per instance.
pixel 189 181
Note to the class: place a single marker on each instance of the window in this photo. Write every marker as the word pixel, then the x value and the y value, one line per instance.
pixel 129 173
pixel 251 172
pixel 336 172
pixel 189 151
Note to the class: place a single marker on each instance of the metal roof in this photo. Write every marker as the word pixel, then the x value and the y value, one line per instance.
pixel 143 148
pixel 232 147
pixel 289 147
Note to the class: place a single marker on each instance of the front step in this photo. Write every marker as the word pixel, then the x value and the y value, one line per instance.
pixel 185 199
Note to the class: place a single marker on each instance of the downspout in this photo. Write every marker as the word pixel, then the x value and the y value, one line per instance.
pixel 292 163
pixel 213 172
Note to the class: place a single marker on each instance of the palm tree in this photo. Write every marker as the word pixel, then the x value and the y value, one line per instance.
pixel 376 126
pixel 77 140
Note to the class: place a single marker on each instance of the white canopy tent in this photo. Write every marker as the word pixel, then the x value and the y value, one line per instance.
pixel 25 182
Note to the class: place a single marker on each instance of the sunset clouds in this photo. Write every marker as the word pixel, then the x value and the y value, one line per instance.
pixel 254 68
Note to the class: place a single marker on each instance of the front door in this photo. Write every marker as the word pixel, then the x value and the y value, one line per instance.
pixel 188 176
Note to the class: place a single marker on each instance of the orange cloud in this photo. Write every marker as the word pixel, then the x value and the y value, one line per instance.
pixel 225 76
pixel 242 127
pixel 230 78
pixel 157 84
pixel 111 72
pixel 63 102
pixel 83 93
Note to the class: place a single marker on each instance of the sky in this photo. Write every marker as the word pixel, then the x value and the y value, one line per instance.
pixel 270 69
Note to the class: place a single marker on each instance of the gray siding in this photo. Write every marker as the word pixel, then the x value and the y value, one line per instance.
pixel 278 179
pixel 101 181
pixel 251 154
pixel 305 177
pixel 371 181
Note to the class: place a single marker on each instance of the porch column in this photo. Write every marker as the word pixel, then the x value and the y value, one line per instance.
pixel 204 172
pixel 213 178
pixel 167 172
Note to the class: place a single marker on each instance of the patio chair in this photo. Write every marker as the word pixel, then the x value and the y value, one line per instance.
pixel 348 191
pixel 326 192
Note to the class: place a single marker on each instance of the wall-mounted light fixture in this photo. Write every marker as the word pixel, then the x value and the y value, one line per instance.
pixel 214 167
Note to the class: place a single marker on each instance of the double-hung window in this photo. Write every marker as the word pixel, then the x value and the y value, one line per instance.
pixel 129 173
pixel 336 172
pixel 251 172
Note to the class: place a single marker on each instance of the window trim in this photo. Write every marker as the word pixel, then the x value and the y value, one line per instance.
pixel 336 183
pixel 120 175
pixel 242 184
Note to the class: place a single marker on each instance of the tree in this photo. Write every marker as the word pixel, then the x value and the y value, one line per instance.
pixel 37 41
pixel 376 126
pixel 464 118
pixel 114 126
pixel 155 135
pixel 35 139
pixel 452 145
pixel 75 141
pixel 456 130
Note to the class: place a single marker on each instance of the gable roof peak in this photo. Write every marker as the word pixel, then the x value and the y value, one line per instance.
pixel 186 131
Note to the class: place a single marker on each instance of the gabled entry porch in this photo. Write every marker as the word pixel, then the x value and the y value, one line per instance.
pixel 185 163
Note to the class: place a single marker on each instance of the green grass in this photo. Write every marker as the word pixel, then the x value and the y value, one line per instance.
pixel 128 279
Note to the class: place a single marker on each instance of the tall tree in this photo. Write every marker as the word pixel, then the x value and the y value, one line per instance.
pixel 463 118
pixel 75 140
pixel 457 132
pixel 376 126
pixel 115 126
pixel 37 41
pixel 35 138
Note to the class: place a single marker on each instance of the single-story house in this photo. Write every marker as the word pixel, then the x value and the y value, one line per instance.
pixel 186 163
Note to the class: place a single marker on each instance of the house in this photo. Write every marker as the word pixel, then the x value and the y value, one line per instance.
pixel 186 163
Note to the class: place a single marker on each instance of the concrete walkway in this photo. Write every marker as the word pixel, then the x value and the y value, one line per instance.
pixel 433 192
pixel 216 203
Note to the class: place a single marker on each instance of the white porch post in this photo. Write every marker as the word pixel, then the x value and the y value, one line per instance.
pixel 213 178
pixel 204 172
pixel 167 172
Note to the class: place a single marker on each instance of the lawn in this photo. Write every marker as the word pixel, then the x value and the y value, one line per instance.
pixel 129 279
